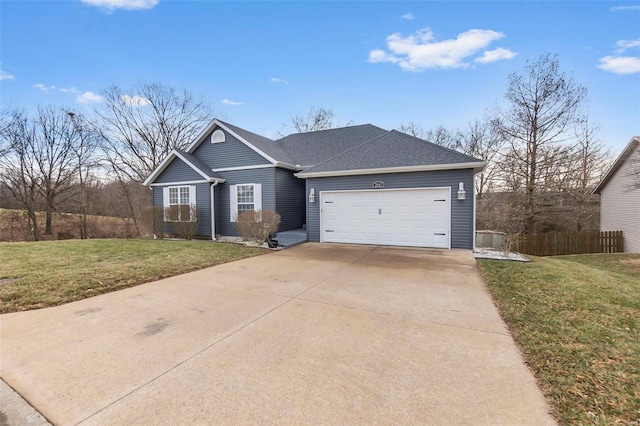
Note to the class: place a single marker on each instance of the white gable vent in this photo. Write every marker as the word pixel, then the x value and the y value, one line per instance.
pixel 217 136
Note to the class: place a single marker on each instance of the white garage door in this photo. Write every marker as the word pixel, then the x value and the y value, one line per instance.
pixel 399 217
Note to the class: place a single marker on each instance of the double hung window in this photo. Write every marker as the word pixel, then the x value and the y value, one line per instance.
pixel 179 203
pixel 244 198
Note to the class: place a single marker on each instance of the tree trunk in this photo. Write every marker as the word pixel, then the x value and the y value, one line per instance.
pixel 33 224
pixel 128 196
pixel 531 195
pixel 48 229
pixel 83 208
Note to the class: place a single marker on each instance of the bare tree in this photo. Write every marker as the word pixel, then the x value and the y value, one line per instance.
pixel 586 166
pixel 86 161
pixel 543 107
pixel 592 158
pixel 53 150
pixel 140 126
pixel 413 129
pixel 7 116
pixel 440 135
pixel 39 163
pixel 443 137
pixel 482 140
pixel 316 118
pixel 18 168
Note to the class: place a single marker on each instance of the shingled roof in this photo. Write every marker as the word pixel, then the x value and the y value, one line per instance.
pixel 310 148
pixel 347 150
pixel 264 144
pixel 196 163
pixel 190 160
pixel 395 151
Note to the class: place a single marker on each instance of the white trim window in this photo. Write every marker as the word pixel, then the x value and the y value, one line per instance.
pixel 179 203
pixel 218 136
pixel 245 197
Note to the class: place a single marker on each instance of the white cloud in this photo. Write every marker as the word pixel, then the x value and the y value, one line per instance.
pixel 408 16
pixel 89 97
pixel 45 88
pixel 112 5
pixel 6 76
pixel 620 64
pixel 498 54
pixel 42 87
pixel 135 101
pixel 279 80
pixel 421 50
pixel 627 44
pixel 620 8
pixel 229 102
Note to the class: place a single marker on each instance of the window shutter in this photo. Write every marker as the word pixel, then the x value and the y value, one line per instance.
pixel 233 203
pixel 257 196
pixel 192 195
pixel 192 202
pixel 165 202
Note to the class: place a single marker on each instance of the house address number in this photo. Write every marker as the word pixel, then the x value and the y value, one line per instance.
pixel 378 184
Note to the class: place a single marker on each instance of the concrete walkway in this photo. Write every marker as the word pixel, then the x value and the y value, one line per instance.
pixel 315 334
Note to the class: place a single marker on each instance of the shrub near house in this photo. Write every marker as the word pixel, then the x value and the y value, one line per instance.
pixel 257 225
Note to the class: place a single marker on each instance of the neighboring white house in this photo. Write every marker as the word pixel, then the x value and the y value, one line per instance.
pixel 620 197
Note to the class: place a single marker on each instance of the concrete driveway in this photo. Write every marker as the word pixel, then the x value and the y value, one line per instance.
pixel 315 334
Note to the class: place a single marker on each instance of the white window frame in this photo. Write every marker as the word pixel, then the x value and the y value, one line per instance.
pixel 191 202
pixel 218 136
pixel 233 199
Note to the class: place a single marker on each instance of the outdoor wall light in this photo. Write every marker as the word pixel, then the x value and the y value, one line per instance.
pixel 461 194
pixel 312 195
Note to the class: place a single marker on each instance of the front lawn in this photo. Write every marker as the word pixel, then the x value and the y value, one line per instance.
pixel 55 272
pixel 577 320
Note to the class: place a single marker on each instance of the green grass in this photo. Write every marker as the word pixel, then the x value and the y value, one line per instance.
pixel 577 320
pixel 56 272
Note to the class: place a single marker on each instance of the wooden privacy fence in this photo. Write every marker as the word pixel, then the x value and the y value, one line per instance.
pixel 552 244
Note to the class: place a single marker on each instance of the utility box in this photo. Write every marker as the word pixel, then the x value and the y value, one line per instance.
pixel 490 239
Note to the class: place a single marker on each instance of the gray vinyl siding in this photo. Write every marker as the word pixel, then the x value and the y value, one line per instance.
pixel 620 203
pixel 290 196
pixel 231 153
pixel 202 202
pixel 462 216
pixel 265 176
pixel 178 171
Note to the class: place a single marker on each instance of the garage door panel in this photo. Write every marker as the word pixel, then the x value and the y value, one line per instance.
pixel 416 217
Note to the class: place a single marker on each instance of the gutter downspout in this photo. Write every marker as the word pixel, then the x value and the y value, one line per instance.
pixel 475 207
pixel 213 212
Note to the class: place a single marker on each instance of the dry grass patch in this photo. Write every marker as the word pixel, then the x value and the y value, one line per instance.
pixel 577 321
pixel 55 272
pixel 14 226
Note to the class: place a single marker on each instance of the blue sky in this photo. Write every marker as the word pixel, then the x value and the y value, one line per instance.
pixel 385 63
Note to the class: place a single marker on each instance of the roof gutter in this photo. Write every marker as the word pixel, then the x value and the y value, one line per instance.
pixel 477 166
pixel 287 166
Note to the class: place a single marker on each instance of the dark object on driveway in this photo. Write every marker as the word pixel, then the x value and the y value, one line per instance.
pixel 272 242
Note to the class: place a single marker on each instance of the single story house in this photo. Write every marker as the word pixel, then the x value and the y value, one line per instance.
pixel 357 184
pixel 620 197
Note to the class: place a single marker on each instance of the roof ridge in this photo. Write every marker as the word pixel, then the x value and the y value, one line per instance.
pixel 328 130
